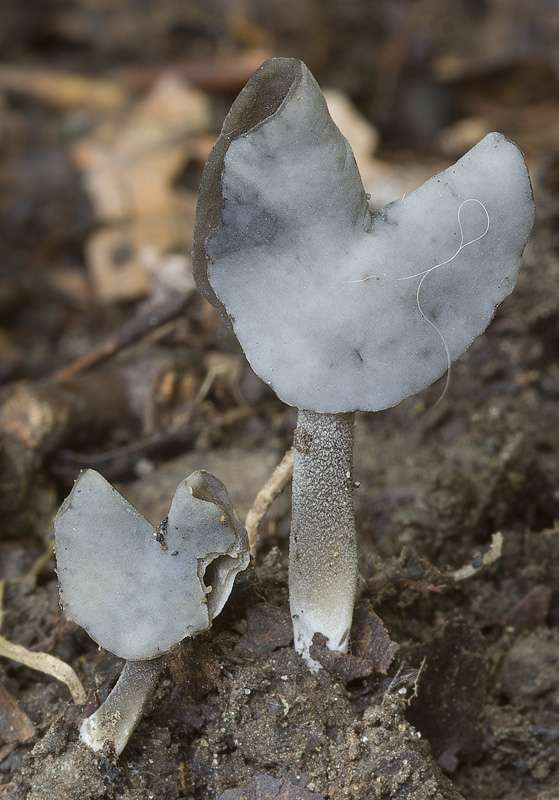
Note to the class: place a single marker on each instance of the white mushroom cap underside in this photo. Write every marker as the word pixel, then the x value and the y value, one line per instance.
pixel 322 301
pixel 133 597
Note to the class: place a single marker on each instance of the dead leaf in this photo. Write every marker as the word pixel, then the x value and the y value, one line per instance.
pixel 450 692
pixel 171 110
pixel 344 666
pixel 224 73
pixel 361 135
pixel 122 188
pixel 372 649
pixel 129 167
pixel 119 257
pixel 15 725
pixel 371 640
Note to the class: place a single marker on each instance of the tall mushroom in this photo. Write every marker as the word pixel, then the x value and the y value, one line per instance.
pixel 138 591
pixel 339 308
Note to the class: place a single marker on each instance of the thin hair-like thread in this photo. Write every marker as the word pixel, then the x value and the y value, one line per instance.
pixel 424 273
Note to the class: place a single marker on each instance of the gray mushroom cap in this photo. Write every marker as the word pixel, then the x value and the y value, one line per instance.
pixel 319 290
pixel 139 591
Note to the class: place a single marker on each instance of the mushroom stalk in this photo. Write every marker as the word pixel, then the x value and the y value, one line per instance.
pixel 340 309
pixel 323 550
pixel 115 720
pixel 156 588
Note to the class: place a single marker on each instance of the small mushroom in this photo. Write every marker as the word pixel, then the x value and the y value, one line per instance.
pixel 137 591
pixel 340 308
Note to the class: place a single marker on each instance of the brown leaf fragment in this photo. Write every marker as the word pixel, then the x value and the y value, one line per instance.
pixel 344 666
pixel 265 787
pixel 371 640
pixel 171 110
pixel 118 257
pixel 450 692
pixel 122 188
pixel 129 168
pixel 15 725
pixel 530 611
pixel 267 629
pixel 372 649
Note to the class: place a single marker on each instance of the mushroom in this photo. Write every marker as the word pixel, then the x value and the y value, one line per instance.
pixel 137 591
pixel 340 308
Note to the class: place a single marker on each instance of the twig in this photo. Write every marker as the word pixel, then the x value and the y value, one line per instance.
pixel 47 664
pixel 479 561
pixel 37 566
pixel 136 328
pixel 121 461
pixel 275 484
pixel 416 680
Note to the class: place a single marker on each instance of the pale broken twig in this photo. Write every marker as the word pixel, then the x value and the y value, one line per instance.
pixel 42 662
pixel 479 561
pixel 273 487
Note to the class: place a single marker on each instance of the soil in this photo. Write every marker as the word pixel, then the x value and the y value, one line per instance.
pixel 466 706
